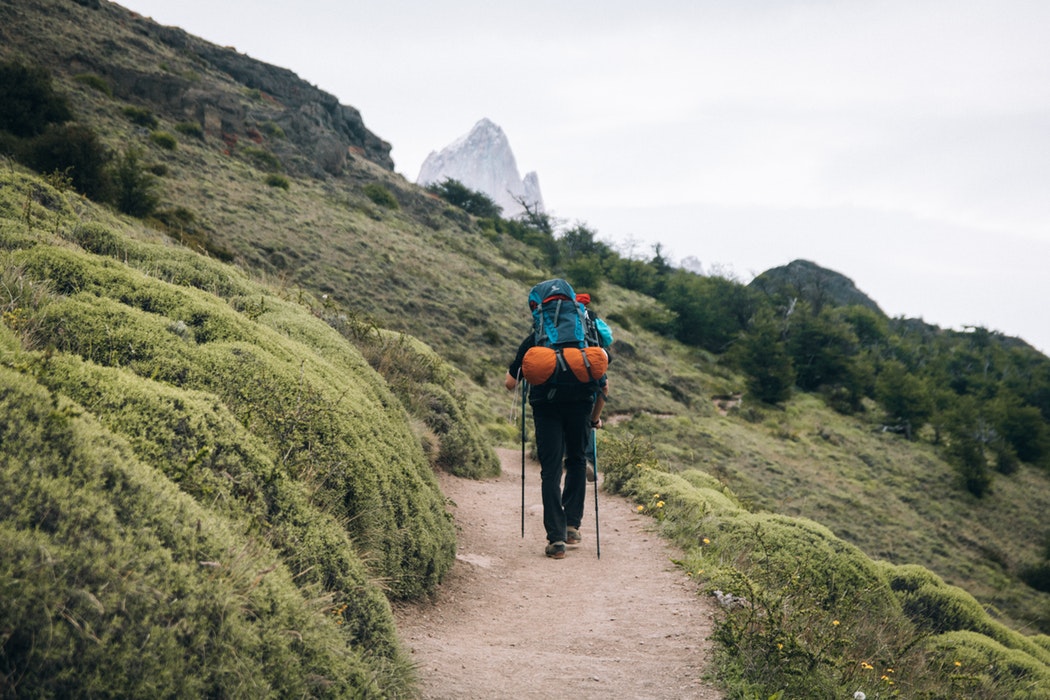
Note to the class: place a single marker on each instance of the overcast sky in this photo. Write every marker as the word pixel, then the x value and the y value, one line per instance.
pixel 902 143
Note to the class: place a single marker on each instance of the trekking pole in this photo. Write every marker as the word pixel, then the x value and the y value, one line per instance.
pixel 597 536
pixel 523 392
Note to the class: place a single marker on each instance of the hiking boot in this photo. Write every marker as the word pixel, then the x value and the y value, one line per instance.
pixel 555 550
pixel 590 472
pixel 572 536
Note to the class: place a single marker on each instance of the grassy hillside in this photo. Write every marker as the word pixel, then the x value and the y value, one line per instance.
pixel 175 432
pixel 214 401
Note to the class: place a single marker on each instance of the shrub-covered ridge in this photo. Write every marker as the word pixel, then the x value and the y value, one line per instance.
pixel 195 470
pixel 805 614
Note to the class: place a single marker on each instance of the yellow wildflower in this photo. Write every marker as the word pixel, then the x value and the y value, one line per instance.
pixel 659 504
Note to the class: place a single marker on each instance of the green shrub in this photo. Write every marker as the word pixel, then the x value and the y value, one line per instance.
pixel 471 201
pixel 165 140
pixel 134 187
pixel 272 129
pixel 974 666
pixel 323 411
pixel 279 181
pixel 98 239
pixel 202 448
pixel 127 587
pixel 380 195
pixel 76 151
pixel 95 82
pixel 261 158
pixel 192 129
pixel 423 382
pixel 140 116
pixel 1037 576
pixel 28 101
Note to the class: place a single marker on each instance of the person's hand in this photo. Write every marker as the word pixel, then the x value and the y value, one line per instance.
pixel 597 423
pixel 510 382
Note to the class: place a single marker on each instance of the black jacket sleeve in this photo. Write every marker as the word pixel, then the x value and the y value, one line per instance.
pixel 515 367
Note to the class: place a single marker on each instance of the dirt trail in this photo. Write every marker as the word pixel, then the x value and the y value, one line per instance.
pixel 509 622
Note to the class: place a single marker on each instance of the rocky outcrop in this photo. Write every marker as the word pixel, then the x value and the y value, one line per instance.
pixel 324 129
pixel 483 161
pixel 174 74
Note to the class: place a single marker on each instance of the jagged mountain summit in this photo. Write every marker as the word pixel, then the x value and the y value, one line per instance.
pixel 483 161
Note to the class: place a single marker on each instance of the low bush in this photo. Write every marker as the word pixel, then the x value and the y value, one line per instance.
pixel 803 614
pixel 125 586
pixel 279 181
pixel 380 195
pixel 164 140
pixel 192 129
pixel 95 82
pixel 140 116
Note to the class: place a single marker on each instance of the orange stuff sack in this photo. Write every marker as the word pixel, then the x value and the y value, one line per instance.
pixel 588 364
pixel 540 364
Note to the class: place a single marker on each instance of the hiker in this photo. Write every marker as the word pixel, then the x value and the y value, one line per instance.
pixel 564 413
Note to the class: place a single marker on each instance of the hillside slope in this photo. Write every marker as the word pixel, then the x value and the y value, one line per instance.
pixel 191 463
pixel 249 388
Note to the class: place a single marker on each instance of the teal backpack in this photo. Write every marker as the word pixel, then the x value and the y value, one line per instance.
pixel 558 320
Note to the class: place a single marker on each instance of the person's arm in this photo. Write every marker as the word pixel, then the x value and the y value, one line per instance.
pixel 599 404
pixel 514 371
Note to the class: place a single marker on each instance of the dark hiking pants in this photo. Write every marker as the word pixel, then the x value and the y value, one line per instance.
pixel 562 432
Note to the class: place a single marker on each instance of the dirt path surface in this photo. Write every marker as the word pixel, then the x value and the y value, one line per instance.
pixel 510 623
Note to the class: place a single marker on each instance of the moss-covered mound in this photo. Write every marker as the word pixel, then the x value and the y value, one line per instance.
pixel 195 473
pixel 805 614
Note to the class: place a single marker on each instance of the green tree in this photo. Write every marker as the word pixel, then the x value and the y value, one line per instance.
pixel 75 150
pixel 585 272
pixel 712 311
pixel 821 349
pixel 471 201
pixel 1025 430
pixel 134 188
pixel 28 101
pixel 968 435
pixel 762 355
pixel 904 396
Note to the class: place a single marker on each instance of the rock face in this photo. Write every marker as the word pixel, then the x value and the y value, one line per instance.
pixel 231 96
pixel 483 161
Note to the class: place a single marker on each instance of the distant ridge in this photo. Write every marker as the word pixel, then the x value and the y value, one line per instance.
pixel 817 285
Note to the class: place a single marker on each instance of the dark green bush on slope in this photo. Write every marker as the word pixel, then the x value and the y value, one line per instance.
pixel 28 100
